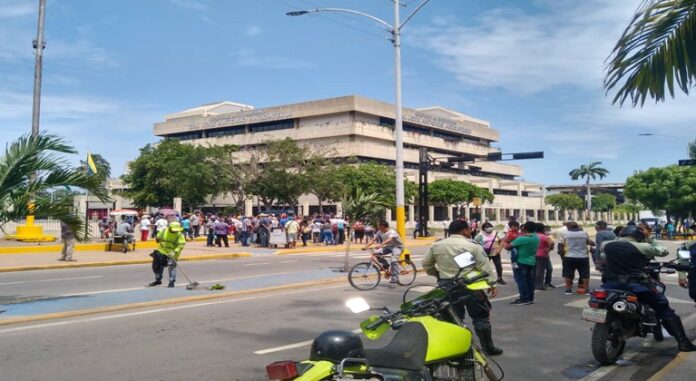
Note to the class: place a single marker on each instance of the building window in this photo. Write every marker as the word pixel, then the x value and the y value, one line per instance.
pixel 272 126
pixel 227 131
pixel 186 136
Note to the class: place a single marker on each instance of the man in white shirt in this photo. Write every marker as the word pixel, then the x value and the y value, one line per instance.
pixel 161 223
pixel 145 228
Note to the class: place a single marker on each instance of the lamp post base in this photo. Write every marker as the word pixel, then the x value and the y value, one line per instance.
pixel 30 233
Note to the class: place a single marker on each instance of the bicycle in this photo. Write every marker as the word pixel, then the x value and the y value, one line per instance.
pixel 367 275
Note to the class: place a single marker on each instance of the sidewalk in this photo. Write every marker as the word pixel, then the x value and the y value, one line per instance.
pixel 682 368
pixel 25 259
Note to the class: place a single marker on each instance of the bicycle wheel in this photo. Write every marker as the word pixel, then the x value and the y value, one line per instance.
pixel 364 276
pixel 408 272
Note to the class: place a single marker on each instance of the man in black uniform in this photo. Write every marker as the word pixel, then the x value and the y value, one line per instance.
pixel 625 270
pixel 439 262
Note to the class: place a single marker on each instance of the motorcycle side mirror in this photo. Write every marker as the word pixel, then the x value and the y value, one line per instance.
pixel 683 254
pixel 357 305
pixel 464 260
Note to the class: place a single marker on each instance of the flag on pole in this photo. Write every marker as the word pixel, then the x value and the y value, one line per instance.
pixel 91 167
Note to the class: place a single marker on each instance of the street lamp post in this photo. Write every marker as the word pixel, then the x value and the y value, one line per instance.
pixel 395 31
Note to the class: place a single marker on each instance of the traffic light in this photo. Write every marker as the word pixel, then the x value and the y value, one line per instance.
pixel 494 156
pixel 687 162
pixel 528 155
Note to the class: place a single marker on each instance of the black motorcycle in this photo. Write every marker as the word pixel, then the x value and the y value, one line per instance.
pixel 618 316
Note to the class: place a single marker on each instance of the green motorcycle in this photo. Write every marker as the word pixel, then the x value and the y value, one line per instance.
pixel 431 342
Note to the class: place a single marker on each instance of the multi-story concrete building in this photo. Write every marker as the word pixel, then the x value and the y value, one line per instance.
pixel 362 128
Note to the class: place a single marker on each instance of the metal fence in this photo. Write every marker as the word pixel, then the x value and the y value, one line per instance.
pixel 51 227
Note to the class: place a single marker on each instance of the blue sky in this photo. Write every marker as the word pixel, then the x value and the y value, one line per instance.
pixel 533 69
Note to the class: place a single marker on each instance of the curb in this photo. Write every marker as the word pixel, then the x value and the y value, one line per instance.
pixel 338 249
pixel 185 299
pixel 667 369
pixel 120 263
pixel 9 250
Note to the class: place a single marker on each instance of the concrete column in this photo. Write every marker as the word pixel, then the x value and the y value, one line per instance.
pixel 536 215
pixel 546 215
pixel 483 213
pixel 467 213
pixel 388 215
pixel 523 215
pixel 177 204
pixel 248 207
pixel 305 208
pixel 339 209
pixel 411 213
pixel 431 214
pixel 556 214
pixel 450 215
pixel 497 216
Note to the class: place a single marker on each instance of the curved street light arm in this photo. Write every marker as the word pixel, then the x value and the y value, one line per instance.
pixel 418 8
pixel 373 18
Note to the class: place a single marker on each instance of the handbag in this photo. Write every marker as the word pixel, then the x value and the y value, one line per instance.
pixel 491 245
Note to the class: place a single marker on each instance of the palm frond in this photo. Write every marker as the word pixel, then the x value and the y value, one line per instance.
pixel 657 49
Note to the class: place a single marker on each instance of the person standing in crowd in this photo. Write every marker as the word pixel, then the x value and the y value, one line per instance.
pixel 306 231
pixel 264 229
pixel 291 229
pixel 474 227
pixel 67 236
pixel 186 225
pixel 576 258
pixel 445 226
pixel 369 232
pixel 341 230
pixel 125 230
pixel 359 231
pixel 160 224
pixel 244 231
pixel 316 231
pixel 510 220
pixel 523 267
pixel 603 235
pixel 326 233
pixel 546 244
pixel 670 230
pixel 145 228
pixel 489 240
pixel 439 262
pixel 196 224
pixel 221 230
pixel 102 227
pixel 171 242
pixel 210 230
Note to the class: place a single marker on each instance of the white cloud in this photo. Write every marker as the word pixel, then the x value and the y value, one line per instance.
pixel 17 8
pixel 560 43
pixel 253 30
pixel 249 57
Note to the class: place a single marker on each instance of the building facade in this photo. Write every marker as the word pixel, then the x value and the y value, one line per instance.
pixel 362 128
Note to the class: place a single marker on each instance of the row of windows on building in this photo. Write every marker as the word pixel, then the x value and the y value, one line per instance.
pixel 416 129
pixel 236 130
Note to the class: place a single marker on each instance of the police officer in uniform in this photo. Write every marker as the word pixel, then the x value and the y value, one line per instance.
pixel 625 270
pixel 439 262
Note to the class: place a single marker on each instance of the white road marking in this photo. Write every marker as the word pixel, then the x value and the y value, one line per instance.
pixel 158 310
pixel 290 346
pixel 50 280
pixel 181 285
pixel 268 263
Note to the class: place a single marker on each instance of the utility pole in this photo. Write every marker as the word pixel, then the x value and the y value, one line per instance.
pixel 39 45
pixel 423 207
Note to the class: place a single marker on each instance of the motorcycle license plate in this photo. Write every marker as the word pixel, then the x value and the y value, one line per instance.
pixel 594 315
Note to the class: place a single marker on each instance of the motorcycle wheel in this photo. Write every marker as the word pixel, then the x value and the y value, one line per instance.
pixel 364 276
pixel 408 272
pixel 607 344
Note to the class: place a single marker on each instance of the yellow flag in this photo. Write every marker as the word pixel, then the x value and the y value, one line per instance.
pixel 90 164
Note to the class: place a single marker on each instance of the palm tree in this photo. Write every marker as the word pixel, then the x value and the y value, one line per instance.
pixel 361 205
pixel 656 48
pixel 30 167
pixel 590 171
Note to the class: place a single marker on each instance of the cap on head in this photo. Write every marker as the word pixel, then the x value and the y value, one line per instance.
pixel 175 227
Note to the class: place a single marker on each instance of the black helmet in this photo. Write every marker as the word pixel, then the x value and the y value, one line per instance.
pixel 632 231
pixel 335 346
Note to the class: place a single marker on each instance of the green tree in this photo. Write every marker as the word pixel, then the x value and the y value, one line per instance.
pixel 603 202
pixel 172 169
pixel 323 180
pixel 565 201
pixel 590 171
pixel 628 208
pixel 369 206
pixel 446 192
pixel 656 49
pixel 29 169
pixel 374 178
pixel 672 189
pixel 692 149
pixel 103 166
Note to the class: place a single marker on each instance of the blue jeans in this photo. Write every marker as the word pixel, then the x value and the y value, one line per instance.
pixel 647 295
pixel 525 275
pixel 211 238
pixel 327 238
pixel 244 236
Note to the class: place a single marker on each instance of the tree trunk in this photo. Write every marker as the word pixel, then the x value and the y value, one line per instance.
pixel 321 207
pixel 346 261
pixel 589 197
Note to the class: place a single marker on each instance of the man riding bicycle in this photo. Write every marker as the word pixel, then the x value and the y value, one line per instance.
pixel 389 243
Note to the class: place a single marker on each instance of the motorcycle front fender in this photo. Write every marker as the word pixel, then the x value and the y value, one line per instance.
pixel 317 371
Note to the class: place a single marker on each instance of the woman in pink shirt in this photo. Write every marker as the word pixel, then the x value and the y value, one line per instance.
pixel 489 238
pixel 543 270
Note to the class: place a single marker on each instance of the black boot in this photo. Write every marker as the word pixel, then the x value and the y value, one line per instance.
pixel 485 336
pixel 676 329
pixel 155 283
pixel 171 285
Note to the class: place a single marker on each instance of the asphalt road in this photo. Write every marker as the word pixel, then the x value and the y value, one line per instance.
pixel 234 338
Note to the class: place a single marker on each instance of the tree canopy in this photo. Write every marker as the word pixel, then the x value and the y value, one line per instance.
pixel 446 192
pixel 565 201
pixel 30 168
pixel 374 178
pixel 692 149
pixel 672 189
pixel 656 50
pixel 603 202
pixel 172 169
